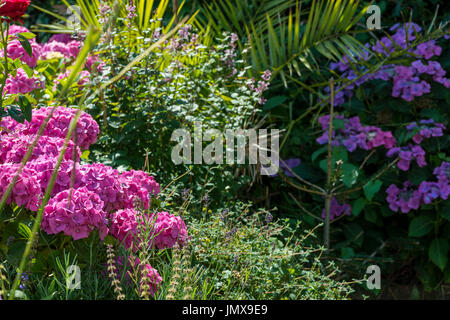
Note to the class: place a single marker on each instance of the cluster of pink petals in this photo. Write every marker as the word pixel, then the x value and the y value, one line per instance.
pixel 104 181
pixel 124 226
pixel 83 78
pixel 123 268
pixel 153 277
pixel 26 191
pixel 87 129
pixel 139 188
pixel 76 218
pixel 167 229
pixel 21 83
pixel 14 148
pixel 16 51
pixel 68 50
pixel 15 29
pixel 44 166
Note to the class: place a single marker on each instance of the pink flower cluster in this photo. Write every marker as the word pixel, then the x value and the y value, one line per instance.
pixel 83 78
pixel 167 229
pixel 410 198
pixel 87 129
pixel 353 135
pixel 16 51
pixel 21 83
pixel 152 274
pixel 95 190
pixel 15 146
pixel 60 46
pixel 77 218
pixel 26 191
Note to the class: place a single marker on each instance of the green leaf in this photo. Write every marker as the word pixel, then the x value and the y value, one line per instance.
pixel 372 188
pixel 350 174
pixel 358 206
pixel 24 230
pixel 26 35
pixel 420 226
pixel 338 124
pixel 438 252
pixel 25 107
pixel 15 113
pixel 26 46
pixel 445 212
pixel 347 253
pixel 318 153
pixel 274 102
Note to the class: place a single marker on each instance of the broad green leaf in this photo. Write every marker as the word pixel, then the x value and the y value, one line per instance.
pixel 274 102
pixel 420 226
pixel 350 174
pixel 358 206
pixel 438 252
pixel 372 188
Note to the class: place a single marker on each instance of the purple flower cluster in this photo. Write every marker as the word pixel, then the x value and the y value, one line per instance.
pixel 410 198
pixel 337 209
pixel 407 154
pixel 406 80
pixel 425 130
pixel 353 135
pixel 167 229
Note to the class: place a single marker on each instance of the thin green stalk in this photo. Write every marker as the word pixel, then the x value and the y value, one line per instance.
pixel 326 233
pixel 5 58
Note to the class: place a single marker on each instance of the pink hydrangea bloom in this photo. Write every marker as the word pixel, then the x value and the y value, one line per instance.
pixel 13 148
pixel 16 51
pixel 104 181
pixel 153 277
pixel 124 226
pixel 87 127
pixel 44 166
pixel 15 29
pixel 26 192
pixel 123 268
pixel 167 229
pixel 69 50
pixel 83 77
pixel 139 187
pixel 21 83
pixel 78 218
pixel 61 37
pixel 94 60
